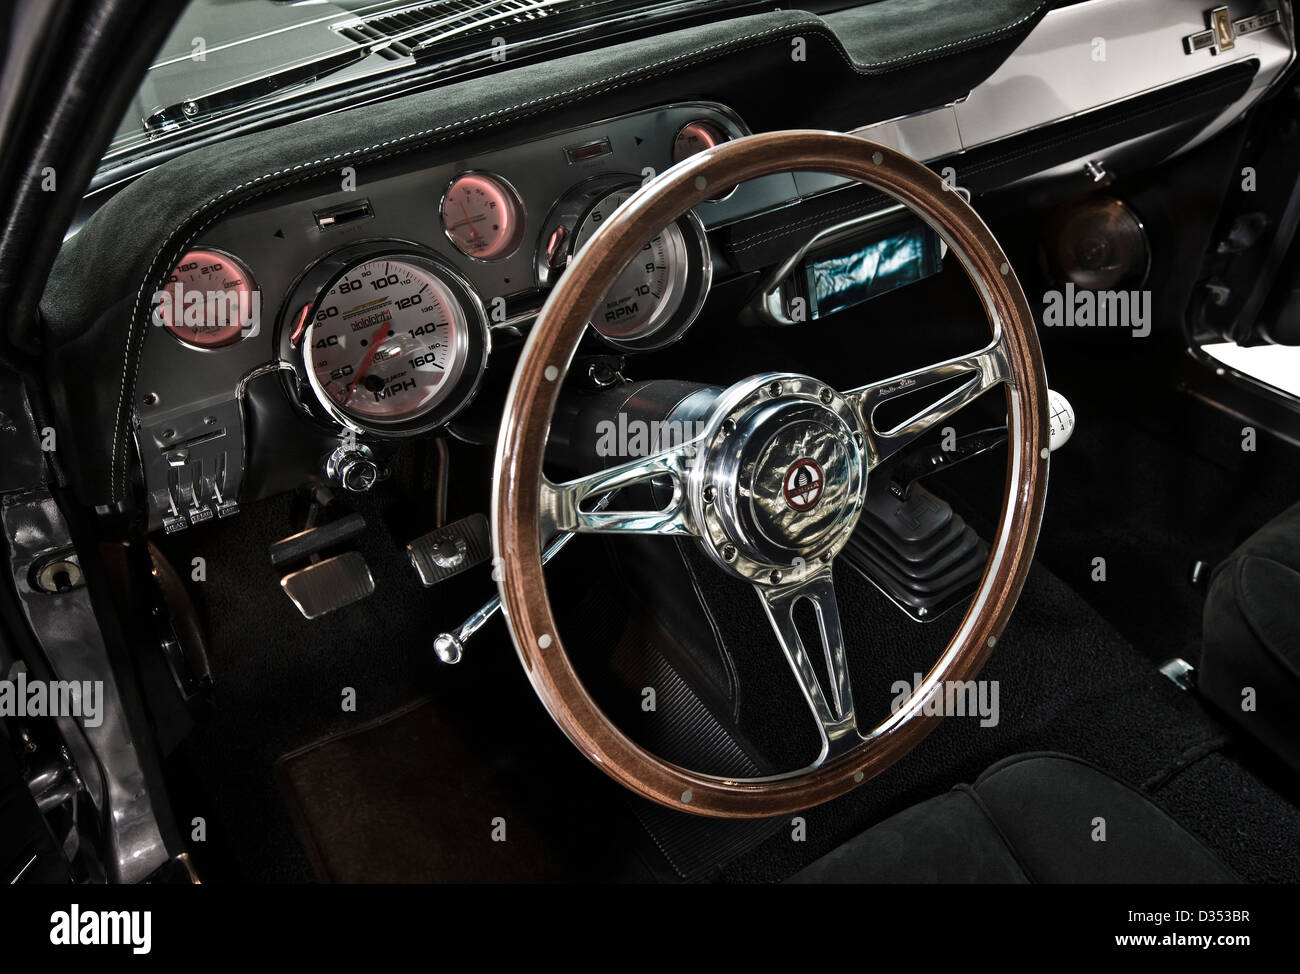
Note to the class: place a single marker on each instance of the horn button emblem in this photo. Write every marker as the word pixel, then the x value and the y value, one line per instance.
pixel 795 481
pixel 803 484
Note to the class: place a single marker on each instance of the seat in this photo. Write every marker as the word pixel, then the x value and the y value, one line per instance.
pixel 1250 660
pixel 1032 818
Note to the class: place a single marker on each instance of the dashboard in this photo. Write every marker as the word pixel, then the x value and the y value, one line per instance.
pixel 282 308
pixel 377 304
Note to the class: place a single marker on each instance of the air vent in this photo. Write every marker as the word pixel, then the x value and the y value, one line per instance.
pixel 408 30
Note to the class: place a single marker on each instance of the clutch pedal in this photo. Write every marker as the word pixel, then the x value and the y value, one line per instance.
pixel 330 584
pixel 325 584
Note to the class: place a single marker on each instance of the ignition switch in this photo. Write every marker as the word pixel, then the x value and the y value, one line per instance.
pixel 353 468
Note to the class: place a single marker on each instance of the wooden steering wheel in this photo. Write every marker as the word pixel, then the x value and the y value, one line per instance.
pixel 731 483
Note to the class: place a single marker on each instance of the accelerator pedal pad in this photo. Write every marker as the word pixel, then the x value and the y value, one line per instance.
pixel 451 549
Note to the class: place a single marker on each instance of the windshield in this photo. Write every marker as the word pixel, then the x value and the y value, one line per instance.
pixel 230 62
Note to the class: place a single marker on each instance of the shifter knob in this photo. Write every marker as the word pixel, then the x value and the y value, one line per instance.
pixel 1060 419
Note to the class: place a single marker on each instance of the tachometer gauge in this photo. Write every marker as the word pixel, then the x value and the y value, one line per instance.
pixel 483 216
pixel 393 343
pixel 210 300
pixel 659 294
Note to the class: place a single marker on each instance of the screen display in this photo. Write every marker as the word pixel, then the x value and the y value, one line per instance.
pixel 839 281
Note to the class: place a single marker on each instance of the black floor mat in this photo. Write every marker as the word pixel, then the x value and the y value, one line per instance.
pixel 425 795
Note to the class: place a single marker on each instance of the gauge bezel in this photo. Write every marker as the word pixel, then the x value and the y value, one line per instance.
pixel 314 285
pixel 521 209
pixel 248 276
pixel 728 136
pixel 572 212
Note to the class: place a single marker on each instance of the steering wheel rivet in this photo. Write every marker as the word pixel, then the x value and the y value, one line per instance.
pixel 1005 269
pixel 544 641
pixel 858 776
pixel 1044 453
pixel 774 389
pixel 776 576
pixel 877 157
pixel 551 372
pixel 728 427
pixel 709 493
pixel 857 438
pixel 827 396
pixel 728 552
pixel 687 796
pixel 701 182
pixel 992 640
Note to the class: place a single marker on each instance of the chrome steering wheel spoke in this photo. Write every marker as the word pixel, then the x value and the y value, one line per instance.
pixel 575 505
pixel 832 707
pixel 983 370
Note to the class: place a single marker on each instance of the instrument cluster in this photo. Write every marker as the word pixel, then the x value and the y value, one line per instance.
pixel 388 329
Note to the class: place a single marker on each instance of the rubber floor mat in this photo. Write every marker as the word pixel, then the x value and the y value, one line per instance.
pixel 420 795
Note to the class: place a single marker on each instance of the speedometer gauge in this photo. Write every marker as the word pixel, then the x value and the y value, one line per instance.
pixel 395 342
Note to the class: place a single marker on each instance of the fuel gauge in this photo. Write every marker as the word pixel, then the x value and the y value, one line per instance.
pixel 483 216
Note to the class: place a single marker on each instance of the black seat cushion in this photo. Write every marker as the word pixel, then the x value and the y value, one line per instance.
pixel 1032 818
pixel 1252 636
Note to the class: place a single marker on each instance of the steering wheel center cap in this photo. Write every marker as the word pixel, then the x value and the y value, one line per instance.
pixel 784 475
pixel 793 481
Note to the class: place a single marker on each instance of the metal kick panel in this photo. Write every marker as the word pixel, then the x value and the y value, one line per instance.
pixel 64 624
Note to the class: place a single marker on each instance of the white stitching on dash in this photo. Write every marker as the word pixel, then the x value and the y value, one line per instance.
pixel 917 55
pixel 754 239
pixel 131 365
